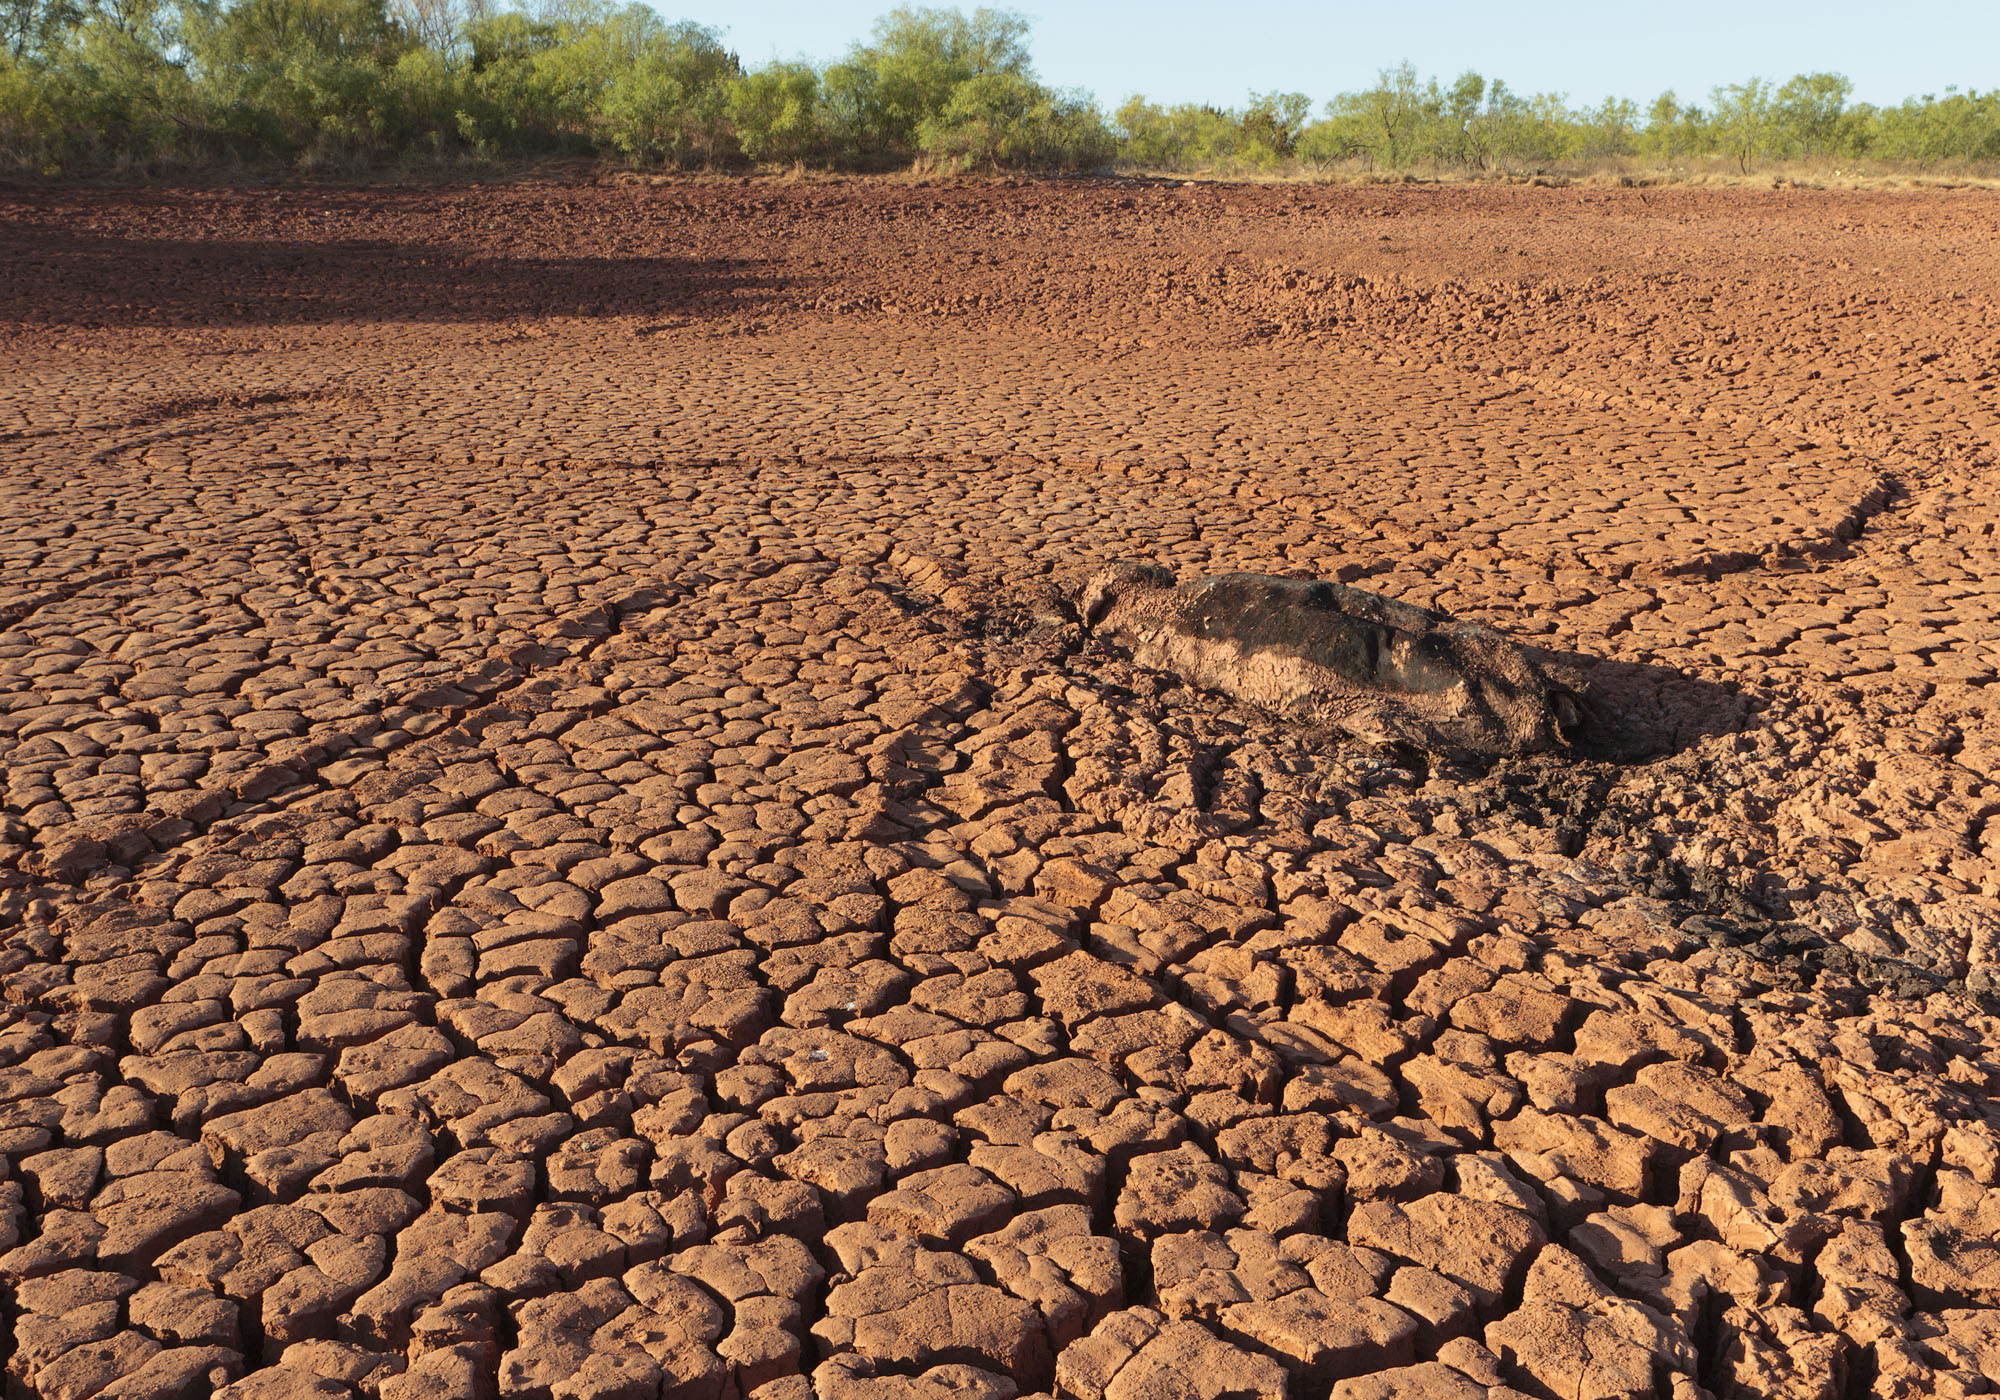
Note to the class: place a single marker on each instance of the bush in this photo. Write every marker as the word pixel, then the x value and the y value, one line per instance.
pixel 1742 120
pixel 638 85
pixel 509 100
pixel 775 112
pixel 297 76
pixel 880 97
pixel 1673 131
pixel 1812 115
pixel 1271 125
pixel 998 119
pixel 1961 126
pixel 1185 137
pixel 1388 119
pixel 668 103
pixel 35 29
pixel 132 84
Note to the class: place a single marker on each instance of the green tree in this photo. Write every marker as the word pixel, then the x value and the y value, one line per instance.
pixel 1172 138
pixel 851 113
pixel 1272 123
pixel 996 119
pixel 1162 138
pixel 592 49
pixel 670 102
pixel 106 95
pixel 983 122
pixel 1673 129
pixel 1336 136
pixel 35 28
pixel 1743 120
pixel 1503 134
pixel 1461 134
pixel 1931 129
pixel 656 92
pixel 885 90
pixel 293 76
pixel 775 111
pixel 439 25
pixel 1609 129
pixel 1390 116
pixel 1811 112
pixel 1546 132
pixel 510 98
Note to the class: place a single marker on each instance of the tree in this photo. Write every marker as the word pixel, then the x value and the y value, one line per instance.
pixel 1544 131
pixel 1392 111
pixel 1334 137
pixel 1462 136
pixel 295 76
pixel 120 83
pixel 439 25
pixel 1930 129
pixel 31 28
pixel 1273 122
pixel 1188 135
pixel 1609 129
pixel 775 111
pixel 1673 130
pixel 1504 132
pixel 1811 111
pixel 850 112
pixel 509 97
pixel 669 102
pixel 104 93
pixel 919 57
pixel 1742 120
pixel 1164 138
pixel 987 121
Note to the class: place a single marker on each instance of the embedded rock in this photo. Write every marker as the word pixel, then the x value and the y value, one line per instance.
pixel 1384 671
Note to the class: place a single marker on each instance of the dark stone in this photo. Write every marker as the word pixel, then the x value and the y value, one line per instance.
pixel 1378 669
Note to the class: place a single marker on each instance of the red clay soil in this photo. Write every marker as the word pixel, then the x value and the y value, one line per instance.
pixel 560 841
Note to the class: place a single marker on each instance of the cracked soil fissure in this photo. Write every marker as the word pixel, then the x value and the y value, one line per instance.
pixel 562 837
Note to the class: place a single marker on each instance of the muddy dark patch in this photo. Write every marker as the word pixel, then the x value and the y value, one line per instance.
pixel 196 405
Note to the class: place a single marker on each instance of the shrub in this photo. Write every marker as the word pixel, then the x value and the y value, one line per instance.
pixel 125 84
pixel 1180 138
pixel 775 112
pixel 997 119
pixel 1742 120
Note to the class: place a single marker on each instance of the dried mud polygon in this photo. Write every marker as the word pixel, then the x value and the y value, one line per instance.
pixel 559 839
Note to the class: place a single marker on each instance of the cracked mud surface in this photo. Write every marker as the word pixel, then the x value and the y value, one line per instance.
pixel 554 844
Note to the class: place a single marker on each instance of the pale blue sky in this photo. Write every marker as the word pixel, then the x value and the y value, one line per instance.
pixel 1179 51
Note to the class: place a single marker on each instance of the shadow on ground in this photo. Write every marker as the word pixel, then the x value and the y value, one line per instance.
pixel 1642 712
pixel 89 279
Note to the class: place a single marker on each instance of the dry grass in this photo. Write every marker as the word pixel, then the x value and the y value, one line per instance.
pixel 1714 172
pixel 464 168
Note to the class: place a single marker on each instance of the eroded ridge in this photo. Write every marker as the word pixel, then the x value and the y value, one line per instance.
pixel 559 840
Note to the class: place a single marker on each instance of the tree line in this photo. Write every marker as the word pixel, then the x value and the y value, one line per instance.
pixel 154 85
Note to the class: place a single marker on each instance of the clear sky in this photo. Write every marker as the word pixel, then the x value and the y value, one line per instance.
pixel 1180 51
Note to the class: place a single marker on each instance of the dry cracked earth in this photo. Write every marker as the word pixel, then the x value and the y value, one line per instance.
pixel 559 841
